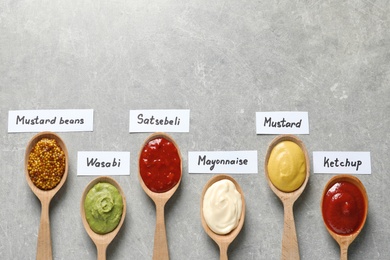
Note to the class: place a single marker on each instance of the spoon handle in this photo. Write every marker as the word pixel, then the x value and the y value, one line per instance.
pixel 160 251
pixel 223 248
pixel 343 252
pixel 290 248
pixel 44 251
pixel 101 251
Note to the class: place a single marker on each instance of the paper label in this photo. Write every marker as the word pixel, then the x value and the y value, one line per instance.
pixel 66 120
pixel 282 123
pixel 342 162
pixel 168 120
pixel 103 163
pixel 222 162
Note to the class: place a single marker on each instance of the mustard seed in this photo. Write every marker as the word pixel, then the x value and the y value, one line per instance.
pixel 46 164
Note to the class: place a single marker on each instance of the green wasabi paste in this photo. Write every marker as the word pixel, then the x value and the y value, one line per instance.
pixel 103 207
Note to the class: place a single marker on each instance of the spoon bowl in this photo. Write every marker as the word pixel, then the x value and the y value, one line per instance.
pixel 160 250
pixel 290 249
pixel 102 240
pixel 345 240
pixel 223 241
pixel 44 247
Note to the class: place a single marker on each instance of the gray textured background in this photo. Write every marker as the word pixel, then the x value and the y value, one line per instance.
pixel 223 60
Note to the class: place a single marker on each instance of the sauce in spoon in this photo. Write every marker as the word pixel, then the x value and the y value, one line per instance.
pixel 344 206
pixel 41 184
pixel 288 196
pixel 103 239
pixel 224 239
pixel 160 172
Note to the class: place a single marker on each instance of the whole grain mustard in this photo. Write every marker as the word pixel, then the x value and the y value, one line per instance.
pixel 46 164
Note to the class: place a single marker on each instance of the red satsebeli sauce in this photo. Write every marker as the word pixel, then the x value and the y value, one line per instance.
pixel 343 208
pixel 160 165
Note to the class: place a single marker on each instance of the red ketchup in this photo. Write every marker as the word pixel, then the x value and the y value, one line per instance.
pixel 160 165
pixel 343 208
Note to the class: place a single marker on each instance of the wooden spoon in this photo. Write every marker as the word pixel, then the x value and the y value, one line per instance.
pixel 44 248
pixel 223 241
pixel 102 240
pixel 290 249
pixel 345 240
pixel 160 250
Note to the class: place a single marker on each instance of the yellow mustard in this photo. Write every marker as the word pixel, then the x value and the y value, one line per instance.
pixel 287 166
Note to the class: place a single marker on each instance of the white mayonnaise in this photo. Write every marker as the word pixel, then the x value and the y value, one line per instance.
pixel 222 206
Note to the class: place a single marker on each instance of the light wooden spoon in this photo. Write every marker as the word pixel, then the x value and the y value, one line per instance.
pixel 290 249
pixel 102 241
pixel 160 249
pixel 223 241
pixel 345 240
pixel 44 248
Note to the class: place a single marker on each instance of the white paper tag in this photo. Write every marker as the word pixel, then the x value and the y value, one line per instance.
pixel 342 162
pixel 65 120
pixel 103 163
pixel 168 120
pixel 222 162
pixel 282 122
